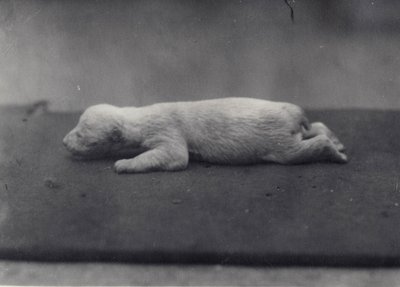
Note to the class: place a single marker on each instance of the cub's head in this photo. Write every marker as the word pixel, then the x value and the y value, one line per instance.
pixel 99 132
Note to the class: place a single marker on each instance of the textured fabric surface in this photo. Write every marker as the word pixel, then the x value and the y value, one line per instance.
pixel 56 208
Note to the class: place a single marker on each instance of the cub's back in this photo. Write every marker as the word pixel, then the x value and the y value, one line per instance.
pixel 225 114
pixel 236 129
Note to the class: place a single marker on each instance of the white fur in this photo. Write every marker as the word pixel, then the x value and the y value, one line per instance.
pixel 227 131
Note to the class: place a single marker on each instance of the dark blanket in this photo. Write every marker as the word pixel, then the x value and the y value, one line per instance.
pixel 56 208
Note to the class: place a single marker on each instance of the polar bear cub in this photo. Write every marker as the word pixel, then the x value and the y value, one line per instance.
pixel 222 131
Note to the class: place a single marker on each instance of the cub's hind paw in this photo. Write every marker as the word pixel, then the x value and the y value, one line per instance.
pixel 343 158
pixel 339 157
pixel 339 146
pixel 336 142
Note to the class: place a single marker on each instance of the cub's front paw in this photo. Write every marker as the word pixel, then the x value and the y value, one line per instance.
pixel 122 166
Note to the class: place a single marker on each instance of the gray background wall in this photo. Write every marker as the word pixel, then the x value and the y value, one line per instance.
pixel 337 54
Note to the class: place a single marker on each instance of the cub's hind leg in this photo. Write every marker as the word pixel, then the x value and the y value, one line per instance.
pixel 319 128
pixel 318 148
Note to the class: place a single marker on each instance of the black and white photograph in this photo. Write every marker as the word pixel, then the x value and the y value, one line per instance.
pixel 200 143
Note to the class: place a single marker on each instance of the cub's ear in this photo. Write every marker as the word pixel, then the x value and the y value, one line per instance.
pixel 116 136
